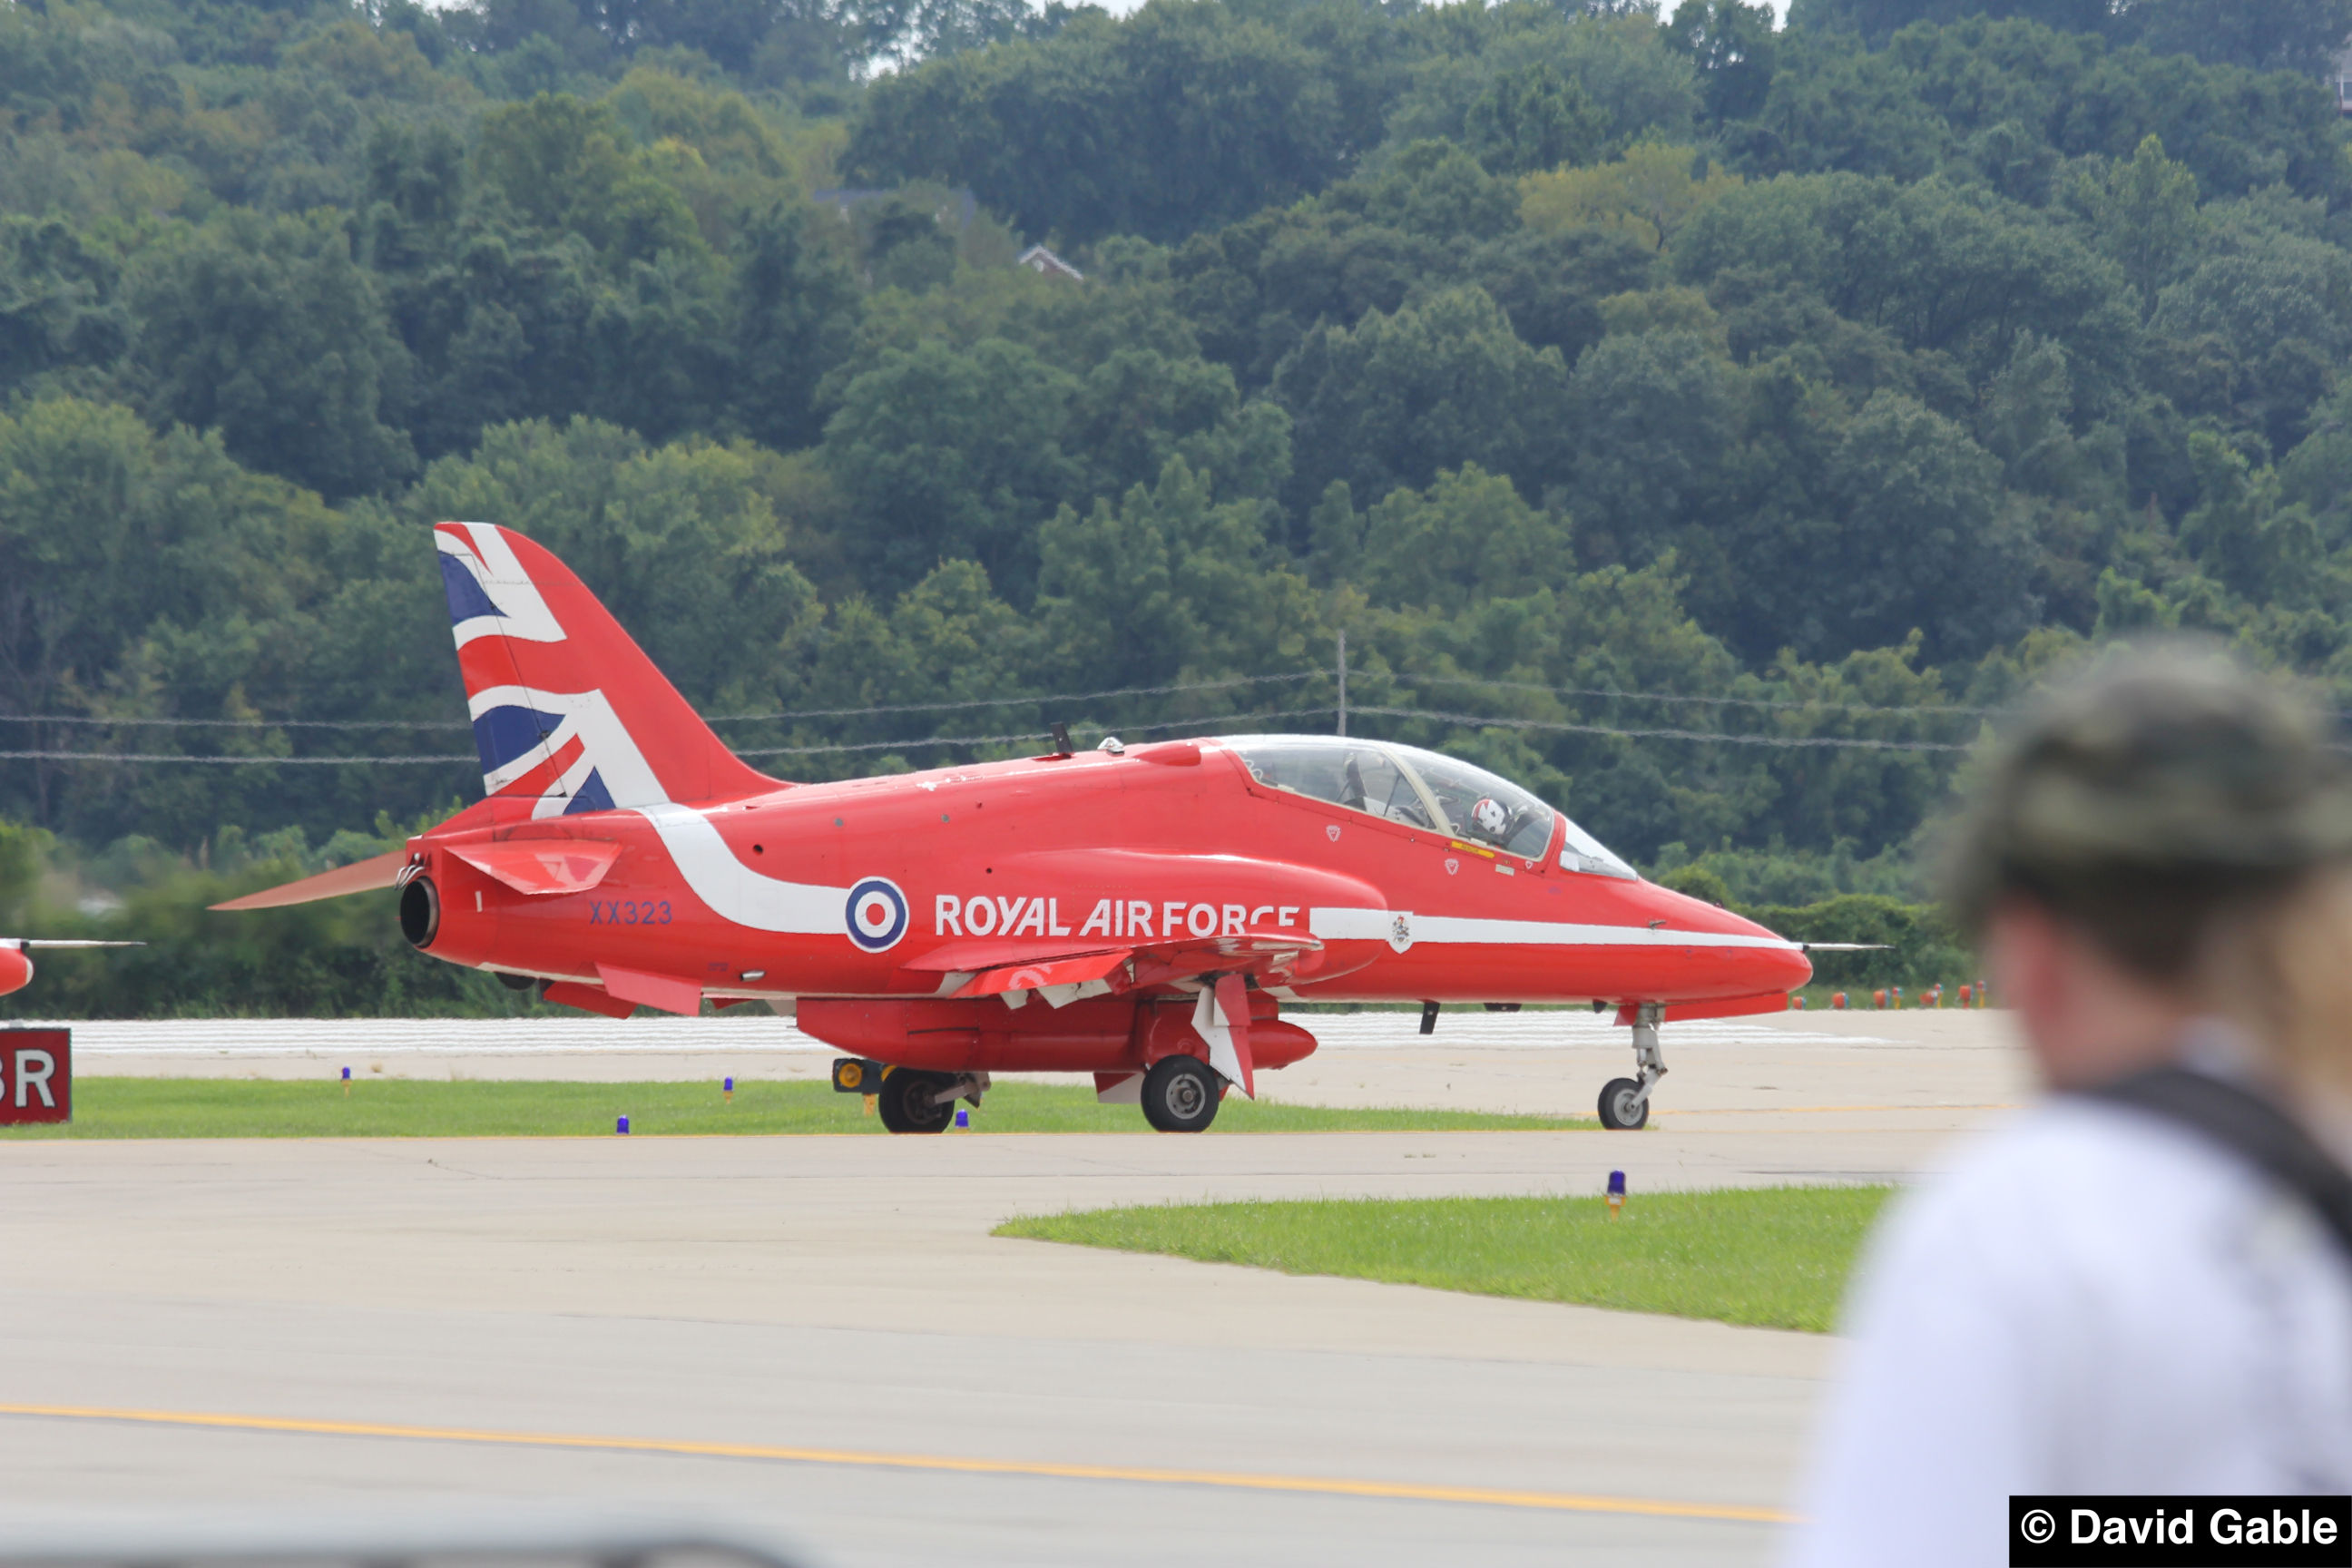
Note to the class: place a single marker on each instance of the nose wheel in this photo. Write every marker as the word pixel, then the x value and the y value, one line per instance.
pixel 1625 1101
pixel 1624 1105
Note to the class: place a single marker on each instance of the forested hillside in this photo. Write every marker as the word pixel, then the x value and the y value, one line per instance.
pixel 1707 423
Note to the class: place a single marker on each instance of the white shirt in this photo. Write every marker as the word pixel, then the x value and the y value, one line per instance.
pixel 2092 1302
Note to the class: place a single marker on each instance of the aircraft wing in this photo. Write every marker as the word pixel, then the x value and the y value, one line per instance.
pixel 1045 974
pixel 23 941
pixel 1268 955
pixel 1060 978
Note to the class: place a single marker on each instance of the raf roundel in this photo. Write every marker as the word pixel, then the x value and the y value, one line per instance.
pixel 876 914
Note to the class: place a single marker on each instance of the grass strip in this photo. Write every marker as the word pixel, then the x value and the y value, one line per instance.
pixel 1774 1257
pixel 410 1107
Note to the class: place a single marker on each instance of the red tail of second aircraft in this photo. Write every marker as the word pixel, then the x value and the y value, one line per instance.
pixel 568 711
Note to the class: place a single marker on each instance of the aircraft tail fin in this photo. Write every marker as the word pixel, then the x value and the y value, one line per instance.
pixel 569 714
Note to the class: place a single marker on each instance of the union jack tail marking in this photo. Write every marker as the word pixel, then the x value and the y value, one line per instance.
pixel 568 711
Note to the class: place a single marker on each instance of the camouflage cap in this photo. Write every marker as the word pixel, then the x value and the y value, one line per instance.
pixel 2175 761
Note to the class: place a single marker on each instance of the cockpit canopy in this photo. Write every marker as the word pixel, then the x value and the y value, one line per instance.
pixel 1422 789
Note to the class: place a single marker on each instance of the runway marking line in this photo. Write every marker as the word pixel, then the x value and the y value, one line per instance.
pixel 1328 1486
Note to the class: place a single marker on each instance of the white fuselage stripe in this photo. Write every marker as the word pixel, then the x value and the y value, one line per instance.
pixel 733 891
pixel 1376 925
pixel 738 894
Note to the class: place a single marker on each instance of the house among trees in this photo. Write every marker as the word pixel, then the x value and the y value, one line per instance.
pixel 1040 260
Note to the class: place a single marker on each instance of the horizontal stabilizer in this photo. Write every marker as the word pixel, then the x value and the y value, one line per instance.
pixel 358 876
pixel 21 942
pixel 1845 946
pixel 541 866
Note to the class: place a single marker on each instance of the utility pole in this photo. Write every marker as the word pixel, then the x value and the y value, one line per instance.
pixel 1343 681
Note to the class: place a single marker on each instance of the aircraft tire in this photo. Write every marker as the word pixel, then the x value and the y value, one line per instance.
pixel 895 1101
pixel 1618 1111
pixel 1181 1095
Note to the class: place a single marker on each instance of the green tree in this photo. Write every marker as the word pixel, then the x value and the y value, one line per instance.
pixel 2303 35
pixel 1180 116
pixel 1733 45
pixel 1876 20
pixel 2144 212
pixel 562 164
pixel 1469 536
pixel 1531 118
pixel 265 330
pixel 1917 540
pixel 1652 192
pixel 145 575
pixel 1167 582
pixel 2254 335
pixel 1137 409
pixel 796 310
pixel 1433 386
pixel 1941 267
pixel 949 454
pixel 60 302
pixel 1622 66
pixel 1653 416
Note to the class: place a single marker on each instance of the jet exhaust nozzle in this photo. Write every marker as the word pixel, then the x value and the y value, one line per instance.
pixel 420 912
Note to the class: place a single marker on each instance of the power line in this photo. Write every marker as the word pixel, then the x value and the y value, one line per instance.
pixel 1014 701
pixel 1845 741
pixel 230 762
pixel 1009 740
pixel 1470 720
pixel 1815 704
pixel 101 721
pixel 754 751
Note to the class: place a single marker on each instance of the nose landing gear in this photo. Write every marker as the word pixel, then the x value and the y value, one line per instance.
pixel 1625 1101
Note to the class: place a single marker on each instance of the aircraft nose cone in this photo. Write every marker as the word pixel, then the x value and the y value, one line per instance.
pixel 1772 963
pixel 1788 965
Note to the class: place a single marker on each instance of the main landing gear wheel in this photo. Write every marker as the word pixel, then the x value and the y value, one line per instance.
pixel 904 1100
pixel 1180 1094
pixel 1623 1106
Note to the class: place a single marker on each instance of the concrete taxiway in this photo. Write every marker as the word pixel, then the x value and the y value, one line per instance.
pixel 818 1335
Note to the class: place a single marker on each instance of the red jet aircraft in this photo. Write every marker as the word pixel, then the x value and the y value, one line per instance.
pixel 1140 913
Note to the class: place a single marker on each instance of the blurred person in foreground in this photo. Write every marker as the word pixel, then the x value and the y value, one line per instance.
pixel 2143 1285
